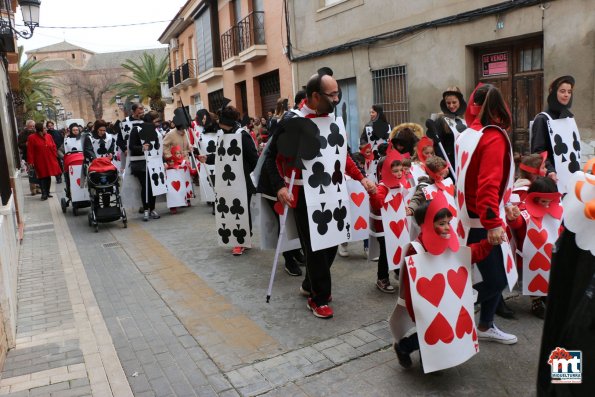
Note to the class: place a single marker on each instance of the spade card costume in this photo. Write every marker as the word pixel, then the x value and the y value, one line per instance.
pixel 234 160
pixel 375 133
pixel 320 197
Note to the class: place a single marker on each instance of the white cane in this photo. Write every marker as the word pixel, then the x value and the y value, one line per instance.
pixel 282 220
pixel 147 178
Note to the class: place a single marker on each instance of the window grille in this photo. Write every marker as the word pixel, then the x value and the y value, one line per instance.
pixel 390 91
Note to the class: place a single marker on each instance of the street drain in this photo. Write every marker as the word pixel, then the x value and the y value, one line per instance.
pixel 113 244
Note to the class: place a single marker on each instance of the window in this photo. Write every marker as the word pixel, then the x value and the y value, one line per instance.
pixel 204 42
pixel 530 59
pixel 73 57
pixel 35 58
pixel 190 48
pixel 390 91
pixel 331 2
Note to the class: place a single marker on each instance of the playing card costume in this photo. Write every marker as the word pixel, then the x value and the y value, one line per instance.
pixel 555 131
pixel 206 143
pixel 234 159
pixel 484 184
pixel 320 197
pixel 434 312
pixel 179 180
pixel 570 307
pixel 375 133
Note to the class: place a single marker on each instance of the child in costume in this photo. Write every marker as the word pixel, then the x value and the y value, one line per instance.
pixel 178 162
pixel 436 247
pixel 437 170
pixel 536 227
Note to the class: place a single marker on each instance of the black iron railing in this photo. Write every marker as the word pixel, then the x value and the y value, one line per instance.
pixel 170 79
pixel 251 30
pixel 189 69
pixel 230 43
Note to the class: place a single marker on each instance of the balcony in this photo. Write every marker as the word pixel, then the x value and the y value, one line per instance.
pixel 251 37
pixel 230 49
pixel 189 72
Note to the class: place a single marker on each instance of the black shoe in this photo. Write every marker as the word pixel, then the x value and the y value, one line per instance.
pixel 49 195
pixel 44 197
pixel 299 258
pixel 538 308
pixel 58 180
pixel 141 210
pixel 503 310
pixel 292 268
pixel 404 358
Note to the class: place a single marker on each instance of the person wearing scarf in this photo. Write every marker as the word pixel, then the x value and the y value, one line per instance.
pixel 559 101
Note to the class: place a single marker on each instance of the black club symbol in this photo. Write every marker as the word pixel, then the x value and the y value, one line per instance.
pixel 228 175
pixel 224 233
pixel 337 175
pixel 236 208
pixel 339 214
pixel 319 177
pixel 239 234
pixel 233 149
pixel 222 207
pixel 211 147
pixel 560 148
pixel 335 138
pixel 322 219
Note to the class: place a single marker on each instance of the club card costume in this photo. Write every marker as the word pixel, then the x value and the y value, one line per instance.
pixel 324 185
pixel 155 166
pixel 103 147
pixel 232 217
pixel 542 231
pixel 207 144
pixel 126 127
pixel 73 144
pixel 465 148
pixel 565 140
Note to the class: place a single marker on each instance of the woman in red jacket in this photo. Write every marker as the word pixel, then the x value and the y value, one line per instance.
pixel 42 156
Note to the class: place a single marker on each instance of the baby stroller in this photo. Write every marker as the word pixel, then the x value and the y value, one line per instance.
pixel 104 193
pixel 75 194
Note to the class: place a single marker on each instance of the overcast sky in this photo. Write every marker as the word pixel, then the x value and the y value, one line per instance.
pixel 102 12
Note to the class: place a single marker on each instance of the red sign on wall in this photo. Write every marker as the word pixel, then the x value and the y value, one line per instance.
pixel 494 64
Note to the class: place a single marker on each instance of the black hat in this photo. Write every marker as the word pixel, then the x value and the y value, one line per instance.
pixel 181 118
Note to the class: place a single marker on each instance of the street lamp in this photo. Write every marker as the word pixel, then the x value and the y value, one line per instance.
pixel 30 10
pixel 137 98
pixel 39 106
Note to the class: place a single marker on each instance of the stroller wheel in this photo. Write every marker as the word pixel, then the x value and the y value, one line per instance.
pixel 63 204
pixel 90 219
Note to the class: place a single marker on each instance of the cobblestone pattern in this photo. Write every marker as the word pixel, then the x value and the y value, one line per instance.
pixel 159 356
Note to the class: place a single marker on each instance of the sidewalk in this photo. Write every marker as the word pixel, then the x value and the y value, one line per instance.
pixel 158 309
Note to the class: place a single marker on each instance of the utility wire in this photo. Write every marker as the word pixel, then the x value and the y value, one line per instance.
pixel 98 27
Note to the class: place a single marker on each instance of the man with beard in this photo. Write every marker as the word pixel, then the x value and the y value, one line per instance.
pixel 322 95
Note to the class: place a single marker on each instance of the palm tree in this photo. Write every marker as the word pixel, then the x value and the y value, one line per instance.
pixel 146 79
pixel 34 87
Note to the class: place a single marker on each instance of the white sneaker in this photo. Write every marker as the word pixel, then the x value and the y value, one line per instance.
pixel 343 250
pixel 145 216
pixel 496 335
pixel 155 215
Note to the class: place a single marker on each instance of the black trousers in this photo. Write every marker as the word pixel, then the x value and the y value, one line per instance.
pixel 146 190
pixel 288 255
pixel 318 263
pixel 382 261
pixel 45 184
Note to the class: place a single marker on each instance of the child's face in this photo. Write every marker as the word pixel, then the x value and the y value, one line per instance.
pixel 406 170
pixel 545 203
pixel 444 173
pixel 178 154
pixel 368 152
pixel 428 151
pixel 397 171
pixel 442 227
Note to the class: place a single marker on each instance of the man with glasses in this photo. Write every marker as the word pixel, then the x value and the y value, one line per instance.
pixel 322 95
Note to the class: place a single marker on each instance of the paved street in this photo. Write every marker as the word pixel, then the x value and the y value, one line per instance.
pixel 158 309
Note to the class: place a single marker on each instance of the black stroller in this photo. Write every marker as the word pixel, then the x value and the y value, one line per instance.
pixel 74 194
pixel 104 193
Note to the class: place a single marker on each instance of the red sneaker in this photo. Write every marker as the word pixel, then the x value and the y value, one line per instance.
pixel 322 311
pixel 236 251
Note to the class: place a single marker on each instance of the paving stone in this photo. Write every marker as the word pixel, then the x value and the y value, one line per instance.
pixel 46 390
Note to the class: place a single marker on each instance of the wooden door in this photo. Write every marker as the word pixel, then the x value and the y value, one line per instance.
pixel 527 102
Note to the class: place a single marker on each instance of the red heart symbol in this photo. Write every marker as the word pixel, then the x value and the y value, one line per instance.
pixel 412 272
pixel 360 224
pixel 474 335
pixel 396 201
pixel 539 261
pixel 185 168
pixel 187 183
pixel 538 284
pixel 176 185
pixel 358 198
pixel 464 323
pixel 431 290
pixel 457 280
pixel 548 250
pixel 464 159
pixel 439 329
pixel 461 230
pixel 78 181
pixel 71 171
pixel 509 264
pixel 452 210
pixel 397 227
pixel 537 221
pixel 397 256
pixel 278 207
pixel 461 199
pixel 537 238
pixel 450 189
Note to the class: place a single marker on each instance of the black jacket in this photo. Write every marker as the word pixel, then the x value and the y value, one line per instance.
pixel 249 157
